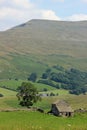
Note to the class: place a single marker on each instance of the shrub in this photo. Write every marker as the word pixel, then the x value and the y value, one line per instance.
pixel 1 95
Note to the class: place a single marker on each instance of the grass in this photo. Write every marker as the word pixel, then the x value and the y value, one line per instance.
pixel 60 92
pixel 10 100
pixel 77 101
pixel 20 66
pixel 13 84
pixel 37 121
pixel 24 120
pixel 7 93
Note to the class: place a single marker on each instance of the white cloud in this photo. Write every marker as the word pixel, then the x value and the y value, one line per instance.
pixel 18 11
pixel 58 0
pixel 15 12
pixel 77 17
pixel 84 1
pixel 49 14
pixel 2 1
pixel 22 3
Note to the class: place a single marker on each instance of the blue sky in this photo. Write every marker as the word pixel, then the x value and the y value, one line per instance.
pixel 63 7
pixel 15 12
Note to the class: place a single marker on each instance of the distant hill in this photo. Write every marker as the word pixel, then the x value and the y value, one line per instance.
pixel 40 44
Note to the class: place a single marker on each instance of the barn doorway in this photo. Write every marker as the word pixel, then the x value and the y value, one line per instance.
pixel 68 114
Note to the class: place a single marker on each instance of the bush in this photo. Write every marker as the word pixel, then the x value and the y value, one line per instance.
pixel 1 95
pixel 45 89
pixel 52 94
pixel 47 82
pixel 44 76
pixel 33 77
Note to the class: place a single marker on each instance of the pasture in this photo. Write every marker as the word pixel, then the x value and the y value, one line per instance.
pixel 32 120
pixel 10 100
pixel 13 84
pixel 23 120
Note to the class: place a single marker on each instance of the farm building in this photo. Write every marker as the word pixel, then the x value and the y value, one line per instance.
pixel 62 108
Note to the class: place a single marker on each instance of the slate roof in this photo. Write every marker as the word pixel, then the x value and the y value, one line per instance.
pixel 63 106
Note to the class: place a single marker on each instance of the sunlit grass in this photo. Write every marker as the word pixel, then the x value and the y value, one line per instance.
pixel 13 84
pixel 37 121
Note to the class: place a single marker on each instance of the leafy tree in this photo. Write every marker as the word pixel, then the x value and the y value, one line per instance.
pixel 47 82
pixel 52 94
pixel 57 86
pixel 27 94
pixel 33 77
pixel 59 77
pixel 48 70
pixel 45 89
pixel 58 67
pixel 44 76
pixel 71 79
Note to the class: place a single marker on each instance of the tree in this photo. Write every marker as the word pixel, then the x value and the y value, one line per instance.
pixel 52 94
pixel 45 89
pixel 27 94
pixel 44 76
pixel 33 77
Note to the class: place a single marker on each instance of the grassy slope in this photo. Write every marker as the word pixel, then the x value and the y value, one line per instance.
pixel 13 84
pixel 8 95
pixel 40 44
pixel 10 100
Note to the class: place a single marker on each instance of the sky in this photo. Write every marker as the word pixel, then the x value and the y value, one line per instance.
pixel 15 12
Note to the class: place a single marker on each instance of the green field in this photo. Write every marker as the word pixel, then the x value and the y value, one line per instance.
pixel 7 93
pixel 10 100
pixel 37 121
pixel 30 120
pixel 13 84
pixel 9 96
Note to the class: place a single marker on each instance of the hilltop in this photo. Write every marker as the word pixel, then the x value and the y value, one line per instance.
pixel 39 44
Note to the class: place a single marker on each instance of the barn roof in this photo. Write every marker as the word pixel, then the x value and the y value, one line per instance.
pixel 63 106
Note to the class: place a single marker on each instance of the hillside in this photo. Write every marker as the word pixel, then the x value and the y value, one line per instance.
pixel 39 44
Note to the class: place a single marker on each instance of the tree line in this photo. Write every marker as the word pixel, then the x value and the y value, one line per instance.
pixel 71 79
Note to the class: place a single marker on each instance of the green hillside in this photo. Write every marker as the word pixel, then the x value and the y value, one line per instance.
pixel 40 44
pixel 10 101
pixel 13 84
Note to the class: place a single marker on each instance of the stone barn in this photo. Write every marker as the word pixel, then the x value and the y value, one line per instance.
pixel 62 108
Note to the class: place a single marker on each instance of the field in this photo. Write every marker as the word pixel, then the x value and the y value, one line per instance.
pixel 36 121
pixel 13 84
pixel 28 120
pixel 10 100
